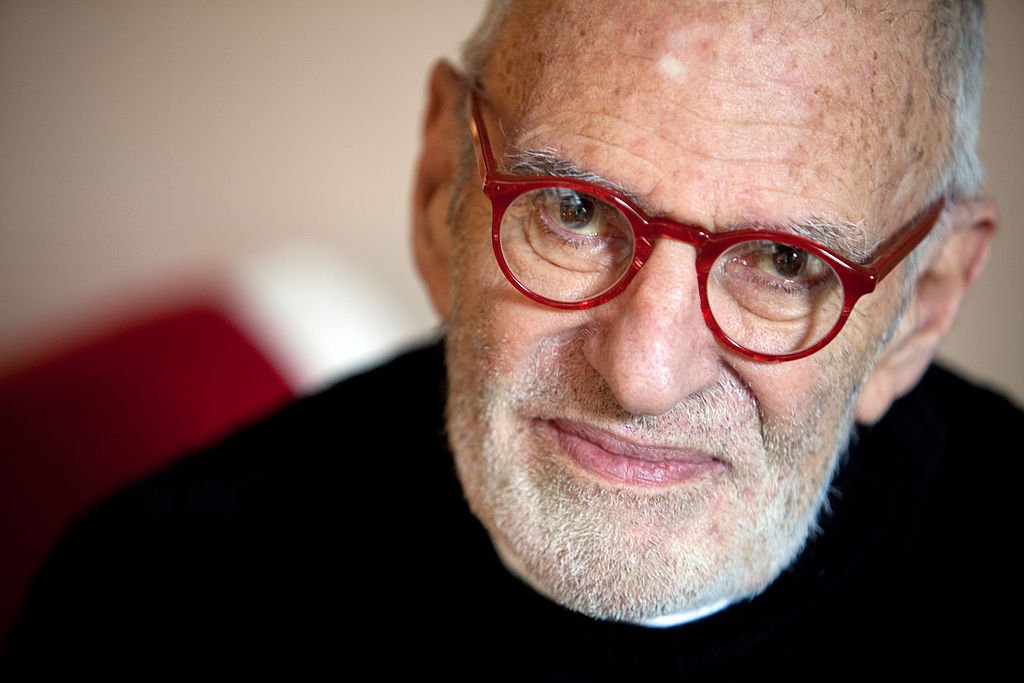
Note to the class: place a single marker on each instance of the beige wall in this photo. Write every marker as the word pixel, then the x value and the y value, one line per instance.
pixel 988 340
pixel 143 140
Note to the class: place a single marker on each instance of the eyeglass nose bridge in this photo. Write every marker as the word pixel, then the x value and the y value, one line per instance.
pixel 647 231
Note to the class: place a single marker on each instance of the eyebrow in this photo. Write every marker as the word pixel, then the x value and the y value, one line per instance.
pixel 547 162
pixel 843 238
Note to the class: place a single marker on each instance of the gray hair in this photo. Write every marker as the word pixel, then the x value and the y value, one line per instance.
pixel 477 49
pixel 957 37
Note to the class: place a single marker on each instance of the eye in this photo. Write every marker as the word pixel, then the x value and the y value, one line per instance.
pixel 572 211
pixel 789 262
pixel 763 288
pixel 576 211
pixel 778 264
pixel 565 243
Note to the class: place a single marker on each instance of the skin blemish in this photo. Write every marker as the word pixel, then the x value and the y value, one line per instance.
pixel 672 68
pixel 689 43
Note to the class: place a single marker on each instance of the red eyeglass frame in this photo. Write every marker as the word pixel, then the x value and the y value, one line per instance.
pixel 856 279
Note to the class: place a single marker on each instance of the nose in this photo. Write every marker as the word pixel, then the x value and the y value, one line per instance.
pixel 651 344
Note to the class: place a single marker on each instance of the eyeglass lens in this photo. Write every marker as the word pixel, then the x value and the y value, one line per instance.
pixel 767 296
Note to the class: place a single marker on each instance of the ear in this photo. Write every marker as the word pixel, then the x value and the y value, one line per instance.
pixel 433 187
pixel 930 312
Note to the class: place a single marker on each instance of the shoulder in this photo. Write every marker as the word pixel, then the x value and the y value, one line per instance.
pixel 950 447
pixel 251 535
pixel 953 423
pixel 315 445
pixel 963 402
pixel 938 482
pixel 350 432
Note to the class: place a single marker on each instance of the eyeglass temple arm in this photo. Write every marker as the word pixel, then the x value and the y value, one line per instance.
pixel 899 245
pixel 482 143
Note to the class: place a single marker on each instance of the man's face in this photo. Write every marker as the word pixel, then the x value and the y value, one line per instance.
pixel 625 463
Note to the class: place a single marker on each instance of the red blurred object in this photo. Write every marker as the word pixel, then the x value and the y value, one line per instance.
pixel 109 408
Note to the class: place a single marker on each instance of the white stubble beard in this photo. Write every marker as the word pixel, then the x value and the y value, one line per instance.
pixel 615 552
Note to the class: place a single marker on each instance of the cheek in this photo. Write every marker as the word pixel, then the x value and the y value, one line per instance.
pixel 787 392
pixel 824 385
pixel 869 324
pixel 511 333
pixel 504 327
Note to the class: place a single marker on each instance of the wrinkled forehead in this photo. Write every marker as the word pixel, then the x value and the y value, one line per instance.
pixel 854 76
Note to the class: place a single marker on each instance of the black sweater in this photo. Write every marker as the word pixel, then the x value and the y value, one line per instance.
pixel 287 550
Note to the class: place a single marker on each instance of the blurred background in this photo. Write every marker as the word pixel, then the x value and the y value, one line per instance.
pixel 204 209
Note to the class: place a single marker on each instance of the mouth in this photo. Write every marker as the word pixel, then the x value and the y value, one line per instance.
pixel 623 461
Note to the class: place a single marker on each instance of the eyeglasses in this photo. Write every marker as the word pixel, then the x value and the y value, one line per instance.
pixel 768 295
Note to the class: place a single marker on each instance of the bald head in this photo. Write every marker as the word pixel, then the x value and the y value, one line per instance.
pixel 943 39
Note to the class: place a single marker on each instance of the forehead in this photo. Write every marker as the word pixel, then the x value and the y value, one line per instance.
pixel 737 103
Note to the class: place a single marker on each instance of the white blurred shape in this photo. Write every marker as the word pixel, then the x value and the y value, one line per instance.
pixel 320 317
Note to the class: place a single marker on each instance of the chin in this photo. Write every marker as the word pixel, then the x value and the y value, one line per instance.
pixel 620 553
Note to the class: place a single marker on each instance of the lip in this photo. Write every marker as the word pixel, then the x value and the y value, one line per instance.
pixel 623 461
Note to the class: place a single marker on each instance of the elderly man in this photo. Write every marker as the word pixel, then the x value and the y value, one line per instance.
pixel 694 260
